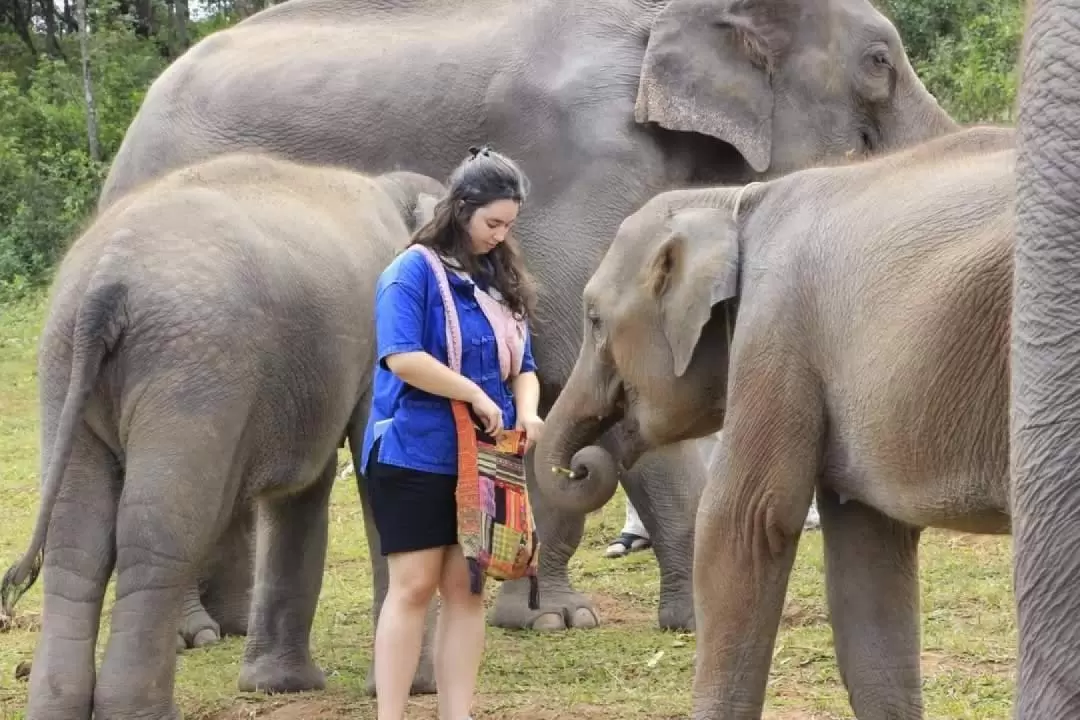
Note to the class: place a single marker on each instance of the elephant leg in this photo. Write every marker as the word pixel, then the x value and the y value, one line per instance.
pixel 79 559
pixel 291 557
pixel 218 603
pixel 197 628
pixel 872 576
pixel 665 486
pixel 162 539
pixel 561 606
pixel 289 564
pixel 226 594
pixel 749 522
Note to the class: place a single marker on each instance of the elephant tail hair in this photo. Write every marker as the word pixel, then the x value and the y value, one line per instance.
pixel 97 329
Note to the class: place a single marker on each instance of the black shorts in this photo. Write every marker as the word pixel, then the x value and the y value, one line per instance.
pixel 413 509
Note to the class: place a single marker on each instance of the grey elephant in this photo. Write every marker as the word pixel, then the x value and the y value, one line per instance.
pixel 848 326
pixel 604 104
pixel 1045 367
pixel 209 344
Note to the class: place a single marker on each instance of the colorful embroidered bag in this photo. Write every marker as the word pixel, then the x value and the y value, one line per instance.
pixel 496 529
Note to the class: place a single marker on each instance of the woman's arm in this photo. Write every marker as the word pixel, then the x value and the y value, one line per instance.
pixel 423 371
pixel 526 388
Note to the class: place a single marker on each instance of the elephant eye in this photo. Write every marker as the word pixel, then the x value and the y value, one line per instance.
pixel 881 59
pixel 594 324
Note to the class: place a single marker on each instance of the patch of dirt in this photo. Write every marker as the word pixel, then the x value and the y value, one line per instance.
pixel 933 663
pixel 288 709
pixel 796 615
pixel 424 708
pixel 614 611
pixel 587 712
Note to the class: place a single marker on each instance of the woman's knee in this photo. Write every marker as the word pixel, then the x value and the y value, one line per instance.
pixel 414 576
pixel 455 583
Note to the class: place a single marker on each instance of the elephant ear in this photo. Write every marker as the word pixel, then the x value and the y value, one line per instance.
pixel 708 69
pixel 695 267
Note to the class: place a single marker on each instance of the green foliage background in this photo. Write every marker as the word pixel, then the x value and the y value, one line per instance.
pixel 965 51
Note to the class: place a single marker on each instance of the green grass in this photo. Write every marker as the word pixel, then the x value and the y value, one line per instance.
pixel 616 671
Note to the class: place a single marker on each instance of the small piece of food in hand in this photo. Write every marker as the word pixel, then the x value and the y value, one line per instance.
pixel 563 471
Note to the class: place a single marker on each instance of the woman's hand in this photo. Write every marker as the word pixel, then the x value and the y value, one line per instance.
pixel 490 415
pixel 533 427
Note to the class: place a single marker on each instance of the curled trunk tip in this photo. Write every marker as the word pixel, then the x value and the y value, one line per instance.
pixel 586 485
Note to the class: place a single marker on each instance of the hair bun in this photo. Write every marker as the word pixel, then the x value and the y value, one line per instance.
pixel 484 150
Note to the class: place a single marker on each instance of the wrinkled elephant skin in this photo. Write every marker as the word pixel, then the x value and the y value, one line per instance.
pixel 208 345
pixel 600 102
pixel 848 327
pixel 1046 367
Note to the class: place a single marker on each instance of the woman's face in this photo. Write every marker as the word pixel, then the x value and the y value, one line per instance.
pixel 490 224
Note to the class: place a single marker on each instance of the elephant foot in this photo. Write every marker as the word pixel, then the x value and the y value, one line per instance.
pixel 201 639
pixel 126 711
pixel 230 611
pixel 559 610
pixel 273 675
pixel 197 630
pixel 423 682
pixel 677 615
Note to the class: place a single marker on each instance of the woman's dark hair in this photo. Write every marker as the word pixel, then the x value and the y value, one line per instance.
pixel 482 178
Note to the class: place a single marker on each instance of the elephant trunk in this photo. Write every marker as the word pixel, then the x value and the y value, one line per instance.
pixel 573 474
pixel 922 117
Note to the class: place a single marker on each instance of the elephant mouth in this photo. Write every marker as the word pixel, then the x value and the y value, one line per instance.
pixel 634 444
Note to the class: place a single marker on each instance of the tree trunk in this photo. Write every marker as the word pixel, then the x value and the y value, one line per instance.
pixel 52 42
pixel 69 18
pixel 88 87
pixel 20 22
pixel 182 15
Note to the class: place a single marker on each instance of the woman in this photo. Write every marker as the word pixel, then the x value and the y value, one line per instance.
pixel 410 445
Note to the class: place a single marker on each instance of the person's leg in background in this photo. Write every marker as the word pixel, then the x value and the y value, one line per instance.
pixel 633 536
pixel 813 520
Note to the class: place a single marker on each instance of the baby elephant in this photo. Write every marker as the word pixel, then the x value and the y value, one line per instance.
pixel 848 327
pixel 208 346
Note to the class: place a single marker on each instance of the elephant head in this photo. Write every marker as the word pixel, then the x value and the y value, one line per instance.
pixel 658 314
pixel 788 83
pixel 414 195
pixel 1045 367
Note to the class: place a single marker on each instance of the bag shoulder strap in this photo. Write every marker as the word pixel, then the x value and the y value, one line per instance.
pixel 453 328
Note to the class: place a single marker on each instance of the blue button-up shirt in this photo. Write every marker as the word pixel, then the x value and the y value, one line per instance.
pixel 416 427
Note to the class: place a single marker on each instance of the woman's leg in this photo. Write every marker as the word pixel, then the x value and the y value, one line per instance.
pixel 400 630
pixel 459 638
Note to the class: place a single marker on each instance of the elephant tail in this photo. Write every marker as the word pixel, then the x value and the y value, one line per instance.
pixel 97 329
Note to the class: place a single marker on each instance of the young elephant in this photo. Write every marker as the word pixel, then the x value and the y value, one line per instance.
pixel 209 344
pixel 866 308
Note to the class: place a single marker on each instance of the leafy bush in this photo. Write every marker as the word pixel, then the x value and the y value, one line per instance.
pixel 48 182
pixel 965 51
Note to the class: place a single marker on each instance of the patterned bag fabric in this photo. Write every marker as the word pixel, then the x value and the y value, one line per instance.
pixel 496 529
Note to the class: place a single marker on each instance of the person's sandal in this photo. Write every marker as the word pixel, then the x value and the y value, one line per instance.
pixel 625 544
